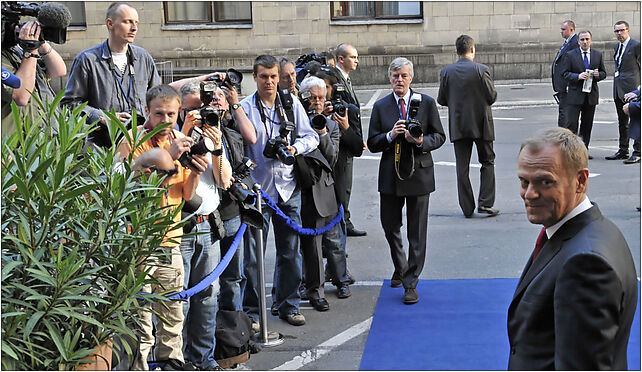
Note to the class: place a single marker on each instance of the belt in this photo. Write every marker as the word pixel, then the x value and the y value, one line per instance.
pixel 201 218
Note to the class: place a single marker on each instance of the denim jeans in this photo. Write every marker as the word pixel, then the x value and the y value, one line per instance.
pixel 200 257
pixel 288 260
pixel 230 296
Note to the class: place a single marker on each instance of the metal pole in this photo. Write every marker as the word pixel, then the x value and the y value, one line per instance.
pixel 266 338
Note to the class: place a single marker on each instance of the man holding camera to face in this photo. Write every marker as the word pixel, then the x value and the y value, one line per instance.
pixel 405 123
pixel 282 131
pixel 318 200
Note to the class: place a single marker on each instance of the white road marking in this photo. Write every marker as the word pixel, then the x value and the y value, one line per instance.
pixel 324 348
pixel 603 122
pixel 605 148
pixel 591 175
pixel 373 99
pixel 453 164
pixel 510 119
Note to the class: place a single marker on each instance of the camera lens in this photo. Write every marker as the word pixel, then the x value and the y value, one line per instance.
pixel 201 147
pixel 318 122
pixel 415 130
pixel 284 155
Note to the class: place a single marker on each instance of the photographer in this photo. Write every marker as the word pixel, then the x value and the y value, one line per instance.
pixel 400 123
pixel 319 203
pixel 279 138
pixel 236 129
pixel 287 75
pixel 351 143
pixel 32 59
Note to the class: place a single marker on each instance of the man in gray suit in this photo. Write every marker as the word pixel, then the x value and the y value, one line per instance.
pixel 626 79
pixel 574 304
pixel 468 90
pixel 560 85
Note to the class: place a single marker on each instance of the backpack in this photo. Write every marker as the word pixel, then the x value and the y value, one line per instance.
pixel 233 332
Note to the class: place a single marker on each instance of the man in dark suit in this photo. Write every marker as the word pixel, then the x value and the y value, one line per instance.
pixel 567 30
pixel 575 69
pixel 632 109
pixel 468 90
pixel 319 205
pixel 575 302
pixel 347 61
pixel 625 80
pixel 388 133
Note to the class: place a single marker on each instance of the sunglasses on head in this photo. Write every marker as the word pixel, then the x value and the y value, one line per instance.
pixel 164 172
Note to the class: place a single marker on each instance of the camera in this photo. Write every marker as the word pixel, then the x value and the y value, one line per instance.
pixel 211 116
pixel 233 79
pixel 241 171
pixel 412 124
pixel 337 103
pixel 200 146
pixel 52 17
pixel 317 121
pixel 276 148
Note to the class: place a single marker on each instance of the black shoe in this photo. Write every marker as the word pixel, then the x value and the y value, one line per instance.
pixel 395 282
pixel 618 155
pixel 343 291
pixel 590 157
pixel 320 304
pixel 350 277
pixel 487 210
pixel 296 319
pixel 410 296
pixel 274 310
pixel 354 232
pixel 632 160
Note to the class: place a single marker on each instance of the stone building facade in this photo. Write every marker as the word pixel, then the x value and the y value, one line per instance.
pixel 518 40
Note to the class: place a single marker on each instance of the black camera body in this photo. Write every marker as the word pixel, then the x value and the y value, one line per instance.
pixel 412 124
pixel 337 103
pixel 240 172
pixel 52 17
pixel 276 148
pixel 211 116
pixel 200 146
pixel 317 121
pixel 233 79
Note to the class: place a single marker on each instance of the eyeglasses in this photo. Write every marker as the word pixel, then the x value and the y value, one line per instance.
pixel 164 172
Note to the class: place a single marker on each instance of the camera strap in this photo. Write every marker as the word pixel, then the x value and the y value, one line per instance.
pixel 264 118
pixel 130 65
pixel 404 159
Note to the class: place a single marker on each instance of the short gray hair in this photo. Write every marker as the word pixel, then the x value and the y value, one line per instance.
pixel 312 81
pixel 191 87
pixel 574 153
pixel 398 63
pixel 284 61
pixel 113 8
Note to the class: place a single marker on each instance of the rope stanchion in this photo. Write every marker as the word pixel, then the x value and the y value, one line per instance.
pixel 292 225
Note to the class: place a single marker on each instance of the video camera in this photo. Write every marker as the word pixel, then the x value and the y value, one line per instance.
pixel 233 79
pixel 54 19
pixel 412 124
pixel 310 63
pixel 200 146
pixel 317 121
pixel 276 148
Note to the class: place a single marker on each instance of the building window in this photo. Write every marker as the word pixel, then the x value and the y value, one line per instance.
pixel 77 10
pixel 207 12
pixel 361 10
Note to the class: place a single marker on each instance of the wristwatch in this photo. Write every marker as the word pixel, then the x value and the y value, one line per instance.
pixel 31 55
pixel 235 106
pixel 218 151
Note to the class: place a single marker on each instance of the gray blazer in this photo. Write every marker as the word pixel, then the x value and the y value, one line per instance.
pixel 468 90
pixel 325 200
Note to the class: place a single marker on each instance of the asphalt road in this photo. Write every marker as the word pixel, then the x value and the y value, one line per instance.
pixel 480 247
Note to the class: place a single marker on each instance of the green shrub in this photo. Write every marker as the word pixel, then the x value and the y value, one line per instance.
pixel 76 226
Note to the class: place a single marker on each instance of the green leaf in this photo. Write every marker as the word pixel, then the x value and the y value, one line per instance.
pixel 32 323
pixel 57 339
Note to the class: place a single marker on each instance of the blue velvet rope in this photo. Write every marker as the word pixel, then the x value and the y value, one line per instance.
pixel 301 230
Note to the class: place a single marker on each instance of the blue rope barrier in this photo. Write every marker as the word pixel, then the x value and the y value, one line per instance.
pixel 297 228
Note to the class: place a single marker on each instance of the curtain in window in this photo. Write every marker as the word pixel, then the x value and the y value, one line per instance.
pixel 188 11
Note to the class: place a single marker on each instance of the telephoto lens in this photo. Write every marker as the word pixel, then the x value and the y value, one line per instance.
pixel 317 122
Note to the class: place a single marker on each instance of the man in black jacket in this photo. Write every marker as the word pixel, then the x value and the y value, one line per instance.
pixel 560 85
pixel 389 132
pixel 468 90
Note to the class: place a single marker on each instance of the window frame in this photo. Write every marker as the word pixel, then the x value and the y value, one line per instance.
pixel 212 17
pixel 374 7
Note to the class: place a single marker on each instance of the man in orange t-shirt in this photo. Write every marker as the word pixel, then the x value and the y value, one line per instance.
pixel 163 105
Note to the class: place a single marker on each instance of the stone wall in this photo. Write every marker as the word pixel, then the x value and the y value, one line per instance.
pixel 518 40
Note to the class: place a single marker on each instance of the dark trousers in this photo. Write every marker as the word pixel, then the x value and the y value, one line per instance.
pixel 486 157
pixel 561 116
pixel 588 113
pixel 623 126
pixel 417 219
pixel 346 199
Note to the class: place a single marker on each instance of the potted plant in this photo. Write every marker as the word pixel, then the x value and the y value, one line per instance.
pixel 76 227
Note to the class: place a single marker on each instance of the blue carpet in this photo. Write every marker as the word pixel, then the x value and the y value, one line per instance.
pixel 457 325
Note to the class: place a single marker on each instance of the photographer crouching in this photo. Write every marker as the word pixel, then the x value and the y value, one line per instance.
pixel 27 53
pixel 319 203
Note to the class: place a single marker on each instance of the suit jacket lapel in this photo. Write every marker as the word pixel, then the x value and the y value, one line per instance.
pixel 553 246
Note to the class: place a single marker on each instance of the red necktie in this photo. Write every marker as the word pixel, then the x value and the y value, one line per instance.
pixel 541 240
pixel 403 108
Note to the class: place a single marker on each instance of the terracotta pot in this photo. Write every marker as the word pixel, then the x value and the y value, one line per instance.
pixel 101 359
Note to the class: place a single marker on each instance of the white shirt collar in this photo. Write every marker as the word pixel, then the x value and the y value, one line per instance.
pixel 406 97
pixel 345 74
pixel 583 206
pixel 626 42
